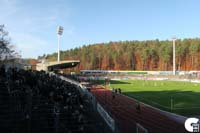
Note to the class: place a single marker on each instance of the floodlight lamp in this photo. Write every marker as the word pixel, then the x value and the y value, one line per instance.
pixel 60 30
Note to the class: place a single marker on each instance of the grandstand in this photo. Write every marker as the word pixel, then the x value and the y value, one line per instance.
pixel 129 72
pixel 39 102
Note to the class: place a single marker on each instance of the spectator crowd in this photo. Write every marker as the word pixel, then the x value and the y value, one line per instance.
pixel 33 101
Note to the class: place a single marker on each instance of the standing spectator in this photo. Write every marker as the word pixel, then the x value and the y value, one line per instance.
pixel 116 90
pixel 137 106
pixel 119 90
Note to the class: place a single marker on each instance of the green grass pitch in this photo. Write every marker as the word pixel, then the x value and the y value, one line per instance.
pixel 178 97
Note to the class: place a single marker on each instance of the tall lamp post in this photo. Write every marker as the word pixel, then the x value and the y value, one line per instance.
pixel 59 32
pixel 174 56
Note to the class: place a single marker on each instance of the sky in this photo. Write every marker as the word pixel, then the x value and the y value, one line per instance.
pixel 32 24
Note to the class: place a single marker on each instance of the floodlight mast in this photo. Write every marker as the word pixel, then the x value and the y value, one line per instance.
pixel 59 32
pixel 174 55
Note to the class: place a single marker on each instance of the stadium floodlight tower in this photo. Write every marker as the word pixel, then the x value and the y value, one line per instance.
pixel 59 32
pixel 174 55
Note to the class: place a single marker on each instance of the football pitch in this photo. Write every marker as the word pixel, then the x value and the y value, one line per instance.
pixel 174 96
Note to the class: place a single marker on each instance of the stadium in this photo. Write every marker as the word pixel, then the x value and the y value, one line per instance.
pixel 115 101
pixel 115 68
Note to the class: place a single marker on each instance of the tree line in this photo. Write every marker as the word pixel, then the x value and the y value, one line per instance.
pixel 135 55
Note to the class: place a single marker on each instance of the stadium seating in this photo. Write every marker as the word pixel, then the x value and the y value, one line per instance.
pixel 35 102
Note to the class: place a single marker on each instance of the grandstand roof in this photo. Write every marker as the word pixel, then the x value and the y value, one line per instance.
pixel 54 65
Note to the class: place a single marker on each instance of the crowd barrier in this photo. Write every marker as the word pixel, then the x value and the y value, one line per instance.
pixel 103 113
pixel 109 120
pixel 96 106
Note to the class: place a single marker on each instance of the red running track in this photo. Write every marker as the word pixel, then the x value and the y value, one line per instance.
pixel 123 110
